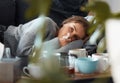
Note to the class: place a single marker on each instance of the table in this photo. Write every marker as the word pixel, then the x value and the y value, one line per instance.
pixel 89 78
pixel 104 77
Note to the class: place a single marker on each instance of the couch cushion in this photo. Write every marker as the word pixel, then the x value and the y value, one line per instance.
pixel 7 12
pixel 21 8
pixel 62 9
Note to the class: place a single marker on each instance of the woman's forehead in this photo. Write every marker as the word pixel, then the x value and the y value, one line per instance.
pixel 76 24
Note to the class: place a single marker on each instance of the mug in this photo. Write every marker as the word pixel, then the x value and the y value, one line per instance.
pixel 103 61
pixel 86 65
pixel 79 52
pixel 82 52
pixel 1 50
pixel 33 70
pixel 67 64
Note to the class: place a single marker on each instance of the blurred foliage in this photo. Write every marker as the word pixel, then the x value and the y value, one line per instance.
pixel 41 8
pixel 38 7
pixel 50 65
pixel 101 45
pixel 37 49
pixel 52 73
pixel 102 13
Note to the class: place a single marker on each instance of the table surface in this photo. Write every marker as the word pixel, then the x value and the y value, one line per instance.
pixel 79 76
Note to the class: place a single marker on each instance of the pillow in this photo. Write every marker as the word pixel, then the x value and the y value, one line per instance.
pixel 89 18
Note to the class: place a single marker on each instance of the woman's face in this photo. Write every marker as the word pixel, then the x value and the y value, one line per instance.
pixel 69 32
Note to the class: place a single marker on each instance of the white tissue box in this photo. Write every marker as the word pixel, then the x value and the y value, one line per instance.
pixel 9 70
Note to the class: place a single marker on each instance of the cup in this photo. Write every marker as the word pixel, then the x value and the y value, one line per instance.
pixel 1 50
pixel 33 70
pixel 79 52
pixel 103 61
pixel 67 64
pixel 86 65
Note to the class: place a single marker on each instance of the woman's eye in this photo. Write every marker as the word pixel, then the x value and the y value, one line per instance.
pixel 71 29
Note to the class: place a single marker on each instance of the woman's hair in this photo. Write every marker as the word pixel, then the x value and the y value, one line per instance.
pixel 80 20
pixel 77 19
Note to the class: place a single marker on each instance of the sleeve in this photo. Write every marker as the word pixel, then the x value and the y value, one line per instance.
pixel 27 39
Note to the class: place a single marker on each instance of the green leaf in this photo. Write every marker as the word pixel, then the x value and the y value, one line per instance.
pixel 101 45
pixel 38 7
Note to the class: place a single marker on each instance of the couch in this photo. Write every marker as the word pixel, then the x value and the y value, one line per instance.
pixel 12 13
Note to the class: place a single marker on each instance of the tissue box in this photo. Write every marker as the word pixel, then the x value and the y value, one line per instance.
pixel 9 70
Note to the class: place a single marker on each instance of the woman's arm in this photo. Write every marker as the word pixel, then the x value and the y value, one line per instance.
pixel 26 41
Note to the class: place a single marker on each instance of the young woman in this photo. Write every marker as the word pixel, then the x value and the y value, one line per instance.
pixel 69 36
